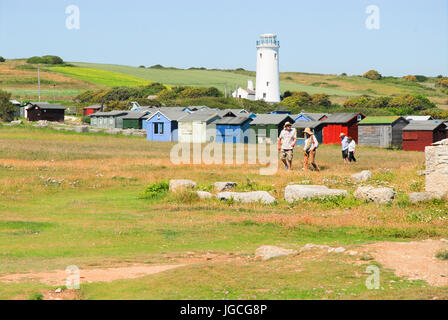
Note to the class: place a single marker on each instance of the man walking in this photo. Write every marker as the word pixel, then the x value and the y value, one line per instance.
pixel 309 151
pixel 344 143
pixel 286 143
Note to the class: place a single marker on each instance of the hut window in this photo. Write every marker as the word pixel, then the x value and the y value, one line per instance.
pixel 158 128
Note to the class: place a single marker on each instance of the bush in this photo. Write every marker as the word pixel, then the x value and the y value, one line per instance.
pixel 120 94
pixel 7 109
pixel 45 60
pixel 297 100
pixel 403 104
pixel 372 75
pixel 411 103
pixel 442 82
pixel 155 190
pixel 442 255
pixel 157 66
pixel 421 78
pixel 320 99
pixel 36 296
pixel 2 59
pixel 86 119
pixel 410 78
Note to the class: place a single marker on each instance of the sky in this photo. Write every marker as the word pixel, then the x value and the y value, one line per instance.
pixel 316 36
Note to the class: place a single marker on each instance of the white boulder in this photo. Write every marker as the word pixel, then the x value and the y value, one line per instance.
pixel 179 185
pixel 247 197
pixel 420 197
pixel 203 195
pixel 224 186
pixel 300 192
pixel 377 195
pixel 270 252
pixel 362 176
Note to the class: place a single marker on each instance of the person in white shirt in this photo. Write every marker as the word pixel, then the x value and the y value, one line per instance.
pixel 344 143
pixel 309 150
pixel 351 149
pixel 286 143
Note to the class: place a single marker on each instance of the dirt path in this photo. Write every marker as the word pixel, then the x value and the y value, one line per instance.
pixel 414 260
pixel 58 277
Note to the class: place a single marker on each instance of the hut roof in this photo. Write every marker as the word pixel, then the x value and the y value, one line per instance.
pixel 199 116
pixel 239 120
pixel 47 106
pixel 172 115
pixel 135 115
pixel 429 125
pixel 114 113
pixel 265 119
pixel 307 124
pixel 337 118
pixel 380 120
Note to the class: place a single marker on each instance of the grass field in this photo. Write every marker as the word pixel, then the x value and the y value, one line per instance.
pixel 206 78
pixel 101 77
pixel 21 79
pixel 70 198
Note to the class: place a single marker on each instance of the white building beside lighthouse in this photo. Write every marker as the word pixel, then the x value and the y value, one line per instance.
pixel 268 76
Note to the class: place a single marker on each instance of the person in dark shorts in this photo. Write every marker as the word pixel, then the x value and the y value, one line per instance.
pixel 351 149
pixel 344 144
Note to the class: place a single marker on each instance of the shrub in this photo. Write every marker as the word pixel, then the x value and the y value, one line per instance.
pixel 85 119
pixel 197 92
pixel 442 82
pixel 411 103
pixel 442 255
pixel 2 59
pixel 402 104
pixel 297 100
pixel 410 78
pixel 45 60
pixel 320 99
pixel 7 109
pixel 372 75
pixel 36 296
pixel 142 66
pixel 421 78
pixel 120 94
pixel 155 190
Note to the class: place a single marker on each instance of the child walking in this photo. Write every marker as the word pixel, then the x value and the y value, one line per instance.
pixel 351 149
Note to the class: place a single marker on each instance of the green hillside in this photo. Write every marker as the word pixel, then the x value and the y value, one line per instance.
pixel 102 77
pixel 206 78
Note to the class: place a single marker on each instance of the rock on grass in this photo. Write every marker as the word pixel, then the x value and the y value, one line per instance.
pixel 247 197
pixel 300 192
pixel 377 195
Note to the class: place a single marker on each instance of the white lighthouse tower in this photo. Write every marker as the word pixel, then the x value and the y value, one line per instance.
pixel 268 77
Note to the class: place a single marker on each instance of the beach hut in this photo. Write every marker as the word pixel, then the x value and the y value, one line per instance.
pixel 45 111
pixel 20 110
pixel 163 125
pixel 87 111
pixel 233 129
pixel 419 118
pixel 133 120
pixel 310 116
pixel 198 127
pixel 267 127
pixel 315 126
pixel 108 120
pixel 382 131
pixel 419 134
pixel 338 123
